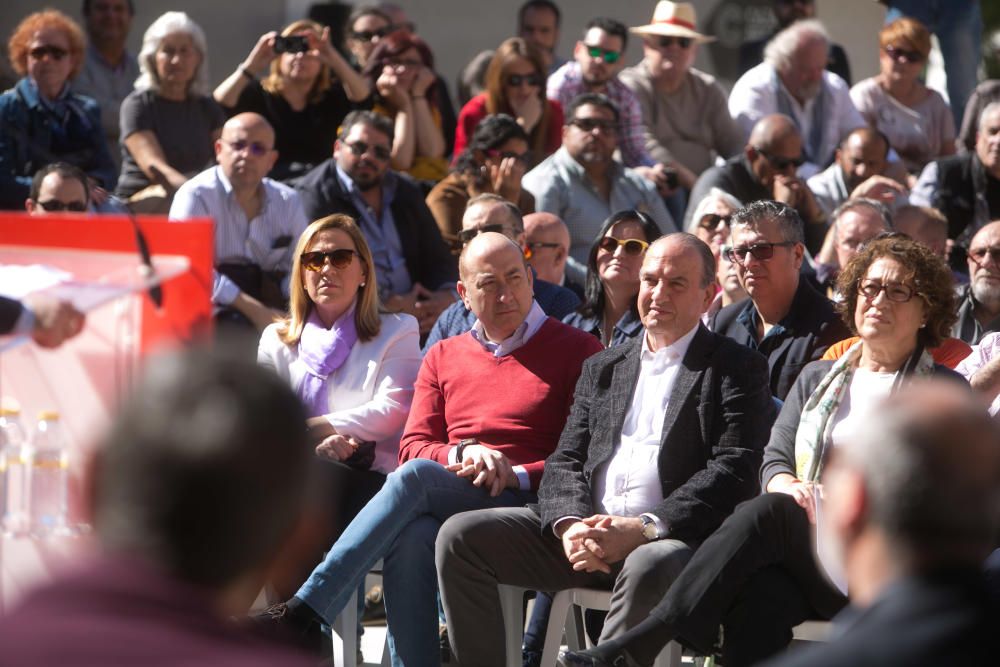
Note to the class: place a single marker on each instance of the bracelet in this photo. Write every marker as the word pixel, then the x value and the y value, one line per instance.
pixel 247 73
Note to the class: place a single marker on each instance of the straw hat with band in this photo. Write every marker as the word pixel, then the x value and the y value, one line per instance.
pixel 673 19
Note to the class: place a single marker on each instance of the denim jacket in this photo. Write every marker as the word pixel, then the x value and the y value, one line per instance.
pixel 32 136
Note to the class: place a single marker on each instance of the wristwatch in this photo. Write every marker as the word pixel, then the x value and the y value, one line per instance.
pixel 462 444
pixel 649 530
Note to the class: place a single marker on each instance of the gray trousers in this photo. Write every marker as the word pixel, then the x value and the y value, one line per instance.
pixel 478 550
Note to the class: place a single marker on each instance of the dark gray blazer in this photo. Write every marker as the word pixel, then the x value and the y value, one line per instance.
pixel 714 431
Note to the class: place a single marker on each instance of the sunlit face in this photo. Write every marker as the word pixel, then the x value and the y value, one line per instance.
pixel 886 321
pixel 58 192
pixel 984 273
pixel 514 147
pixel 713 227
pixel 302 67
pixel 767 165
pixel 728 279
pixel 245 152
pixel 859 160
pixel 595 70
pixel 671 297
pixel 406 66
pixel 988 140
pixel 617 268
pixel 669 59
pixel 540 28
pixel 109 20
pixel 896 62
pixel 521 81
pixel 592 136
pixel 805 75
pixel 497 287
pixel 365 35
pixel 50 60
pixel 333 290
pixel 763 278
pixel 177 59
pixel 365 167
pixel 855 228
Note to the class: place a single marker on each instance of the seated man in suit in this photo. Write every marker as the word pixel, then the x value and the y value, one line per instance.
pixel 415 269
pixel 785 318
pixel 910 514
pixel 490 212
pixel 664 439
pixel 488 407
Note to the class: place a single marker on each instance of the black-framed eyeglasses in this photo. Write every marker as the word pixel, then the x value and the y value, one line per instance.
pixel 781 163
pixel 610 57
pixel 666 41
pixel 896 292
pixel 979 255
pixel 359 148
pixel 515 80
pixel 255 148
pixel 503 155
pixel 590 124
pixel 54 206
pixel 54 52
pixel 710 221
pixel 369 35
pixel 630 246
pixel 467 235
pixel 759 251
pixel 903 55
pixel 339 259
pixel 531 248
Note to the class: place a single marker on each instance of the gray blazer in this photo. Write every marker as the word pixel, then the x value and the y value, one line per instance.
pixel 714 431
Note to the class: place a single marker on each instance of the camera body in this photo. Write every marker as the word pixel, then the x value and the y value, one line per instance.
pixel 291 44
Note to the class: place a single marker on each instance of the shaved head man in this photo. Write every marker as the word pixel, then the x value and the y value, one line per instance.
pixel 857 171
pixel 547 244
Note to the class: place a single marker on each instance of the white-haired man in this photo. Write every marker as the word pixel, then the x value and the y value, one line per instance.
pixel 793 81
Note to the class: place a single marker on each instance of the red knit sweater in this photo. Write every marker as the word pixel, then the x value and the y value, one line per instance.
pixel 517 404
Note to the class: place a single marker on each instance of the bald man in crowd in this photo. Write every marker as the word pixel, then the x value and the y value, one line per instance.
pixel 257 223
pixel 924 225
pixel 858 170
pixel 766 170
pixel 546 241
pixel 855 222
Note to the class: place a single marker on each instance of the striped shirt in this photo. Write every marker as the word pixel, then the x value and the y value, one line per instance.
pixel 267 241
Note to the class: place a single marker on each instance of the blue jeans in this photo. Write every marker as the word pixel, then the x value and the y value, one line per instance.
pixel 958 25
pixel 400 525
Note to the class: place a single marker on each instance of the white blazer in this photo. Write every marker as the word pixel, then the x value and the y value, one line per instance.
pixel 371 393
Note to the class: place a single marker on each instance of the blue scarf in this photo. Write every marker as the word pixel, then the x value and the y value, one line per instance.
pixel 323 351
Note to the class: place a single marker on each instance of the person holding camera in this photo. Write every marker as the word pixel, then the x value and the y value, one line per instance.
pixel 584 184
pixel 308 90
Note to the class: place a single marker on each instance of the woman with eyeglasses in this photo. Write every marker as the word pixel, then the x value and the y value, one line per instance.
pixel 169 122
pixel 610 307
pixel 364 29
pixel 515 85
pixel 710 223
pixel 401 71
pixel 352 365
pixel 493 162
pixel 756 575
pixel 916 120
pixel 41 119
pixel 301 84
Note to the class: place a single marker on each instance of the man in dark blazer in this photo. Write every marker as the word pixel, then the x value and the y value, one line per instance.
pixel 785 318
pixel 416 272
pixel 910 513
pixel 664 439
pixel 48 321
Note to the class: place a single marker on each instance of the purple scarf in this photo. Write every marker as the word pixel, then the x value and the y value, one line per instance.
pixel 323 351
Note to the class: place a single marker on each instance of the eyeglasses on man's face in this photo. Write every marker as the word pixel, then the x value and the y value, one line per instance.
pixel 608 56
pixel 467 235
pixel 781 163
pixel 759 251
pixel 359 148
pixel 55 206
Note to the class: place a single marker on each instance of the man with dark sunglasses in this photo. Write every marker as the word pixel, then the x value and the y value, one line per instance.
pixel 786 319
pixel 793 81
pixel 257 222
pixel 415 268
pixel 584 184
pixel 597 59
pixel 683 109
pixel 56 188
pixel 766 170
pixel 979 301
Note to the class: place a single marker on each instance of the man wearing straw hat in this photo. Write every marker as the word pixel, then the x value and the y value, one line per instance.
pixel 684 109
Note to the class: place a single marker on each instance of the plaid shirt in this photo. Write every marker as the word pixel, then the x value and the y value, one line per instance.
pixel 567 82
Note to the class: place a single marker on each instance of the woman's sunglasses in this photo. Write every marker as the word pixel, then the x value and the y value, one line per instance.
pixel 631 246
pixel 339 259
pixel 515 80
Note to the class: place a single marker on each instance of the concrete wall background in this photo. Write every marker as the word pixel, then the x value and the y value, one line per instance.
pixel 458 29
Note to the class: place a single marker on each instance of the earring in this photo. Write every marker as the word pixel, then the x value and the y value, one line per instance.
pixel 362 285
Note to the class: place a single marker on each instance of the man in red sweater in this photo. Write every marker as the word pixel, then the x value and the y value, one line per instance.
pixel 488 408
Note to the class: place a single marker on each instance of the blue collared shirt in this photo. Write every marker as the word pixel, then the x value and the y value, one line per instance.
pixel 267 241
pixel 382 236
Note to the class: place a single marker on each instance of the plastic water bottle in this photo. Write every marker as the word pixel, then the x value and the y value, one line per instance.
pixel 15 455
pixel 49 477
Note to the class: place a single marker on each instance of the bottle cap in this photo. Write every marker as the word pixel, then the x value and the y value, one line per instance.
pixel 48 415
pixel 10 412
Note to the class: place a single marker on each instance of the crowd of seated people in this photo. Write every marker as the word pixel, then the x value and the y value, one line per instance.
pixel 609 325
